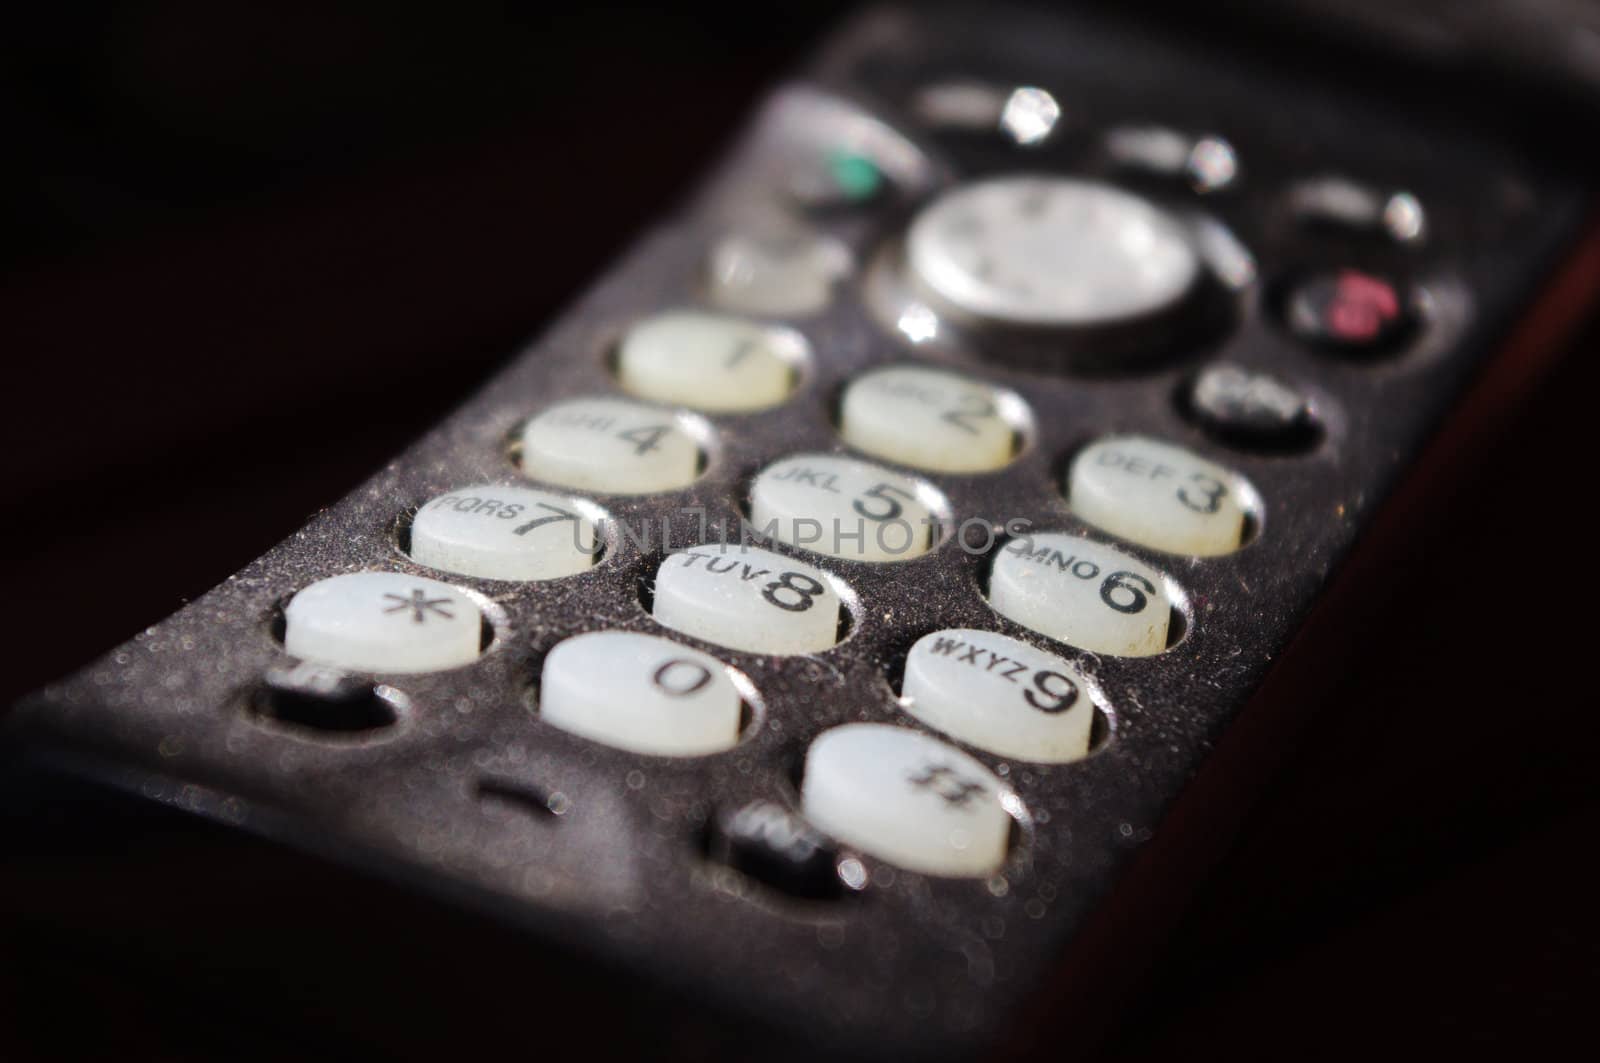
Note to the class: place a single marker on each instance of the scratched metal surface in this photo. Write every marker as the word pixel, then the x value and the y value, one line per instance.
pixel 912 965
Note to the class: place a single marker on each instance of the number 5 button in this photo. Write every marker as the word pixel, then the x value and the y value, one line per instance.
pixel 610 446
pixel 640 692
pixel 844 508
pixel 747 599
pixel 930 419
pixel 1083 593
pixel 1159 495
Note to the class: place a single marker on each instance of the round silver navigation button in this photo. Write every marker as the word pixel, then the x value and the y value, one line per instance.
pixel 1050 252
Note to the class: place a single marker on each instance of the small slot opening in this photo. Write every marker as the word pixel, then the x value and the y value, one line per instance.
pixel 524 797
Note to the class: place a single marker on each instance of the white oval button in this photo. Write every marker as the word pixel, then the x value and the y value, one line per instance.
pixel 1159 495
pixel 383 622
pixel 709 362
pixel 907 798
pixel 929 419
pixel 843 508
pixel 747 599
pixel 1082 593
pixel 999 694
pixel 641 693
pixel 791 271
pixel 498 532
pixel 609 446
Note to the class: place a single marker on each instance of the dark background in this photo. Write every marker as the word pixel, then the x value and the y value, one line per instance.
pixel 248 254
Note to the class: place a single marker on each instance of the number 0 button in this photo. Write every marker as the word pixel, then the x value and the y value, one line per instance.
pixel 383 622
pixel 999 694
pixel 930 419
pixel 844 508
pixel 511 533
pixel 907 798
pixel 1160 496
pixel 747 599
pixel 641 693
pixel 610 446
pixel 709 361
pixel 1083 593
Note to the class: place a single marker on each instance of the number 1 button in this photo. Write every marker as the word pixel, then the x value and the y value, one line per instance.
pixel 609 446
pixel 709 361
pixel 641 693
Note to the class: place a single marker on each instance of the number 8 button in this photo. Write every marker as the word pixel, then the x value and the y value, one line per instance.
pixel 1159 495
pixel 747 599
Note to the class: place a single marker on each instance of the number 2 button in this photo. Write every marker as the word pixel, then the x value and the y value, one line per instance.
pixel 930 419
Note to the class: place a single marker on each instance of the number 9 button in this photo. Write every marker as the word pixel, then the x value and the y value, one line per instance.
pixel 747 599
pixel 1082 593
pixel 1159 495
pixel 999 694
pixel 930 419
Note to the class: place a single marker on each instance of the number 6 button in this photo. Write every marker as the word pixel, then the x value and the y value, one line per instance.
pixel 999 694
pixel 1083 593
pixel 1159 495
pixel 640 692
pixel 747 599
pixel 844 508
pixel 609 446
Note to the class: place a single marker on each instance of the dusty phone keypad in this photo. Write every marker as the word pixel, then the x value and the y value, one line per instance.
pixel 867 600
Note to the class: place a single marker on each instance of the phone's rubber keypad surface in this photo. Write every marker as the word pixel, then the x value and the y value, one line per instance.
pixel 869 561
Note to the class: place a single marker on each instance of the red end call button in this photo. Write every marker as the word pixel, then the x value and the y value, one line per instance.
pixel 1349 310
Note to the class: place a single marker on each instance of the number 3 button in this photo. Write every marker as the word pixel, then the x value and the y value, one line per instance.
pixel 1160 496
pixel 747 599
pixel 641 693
